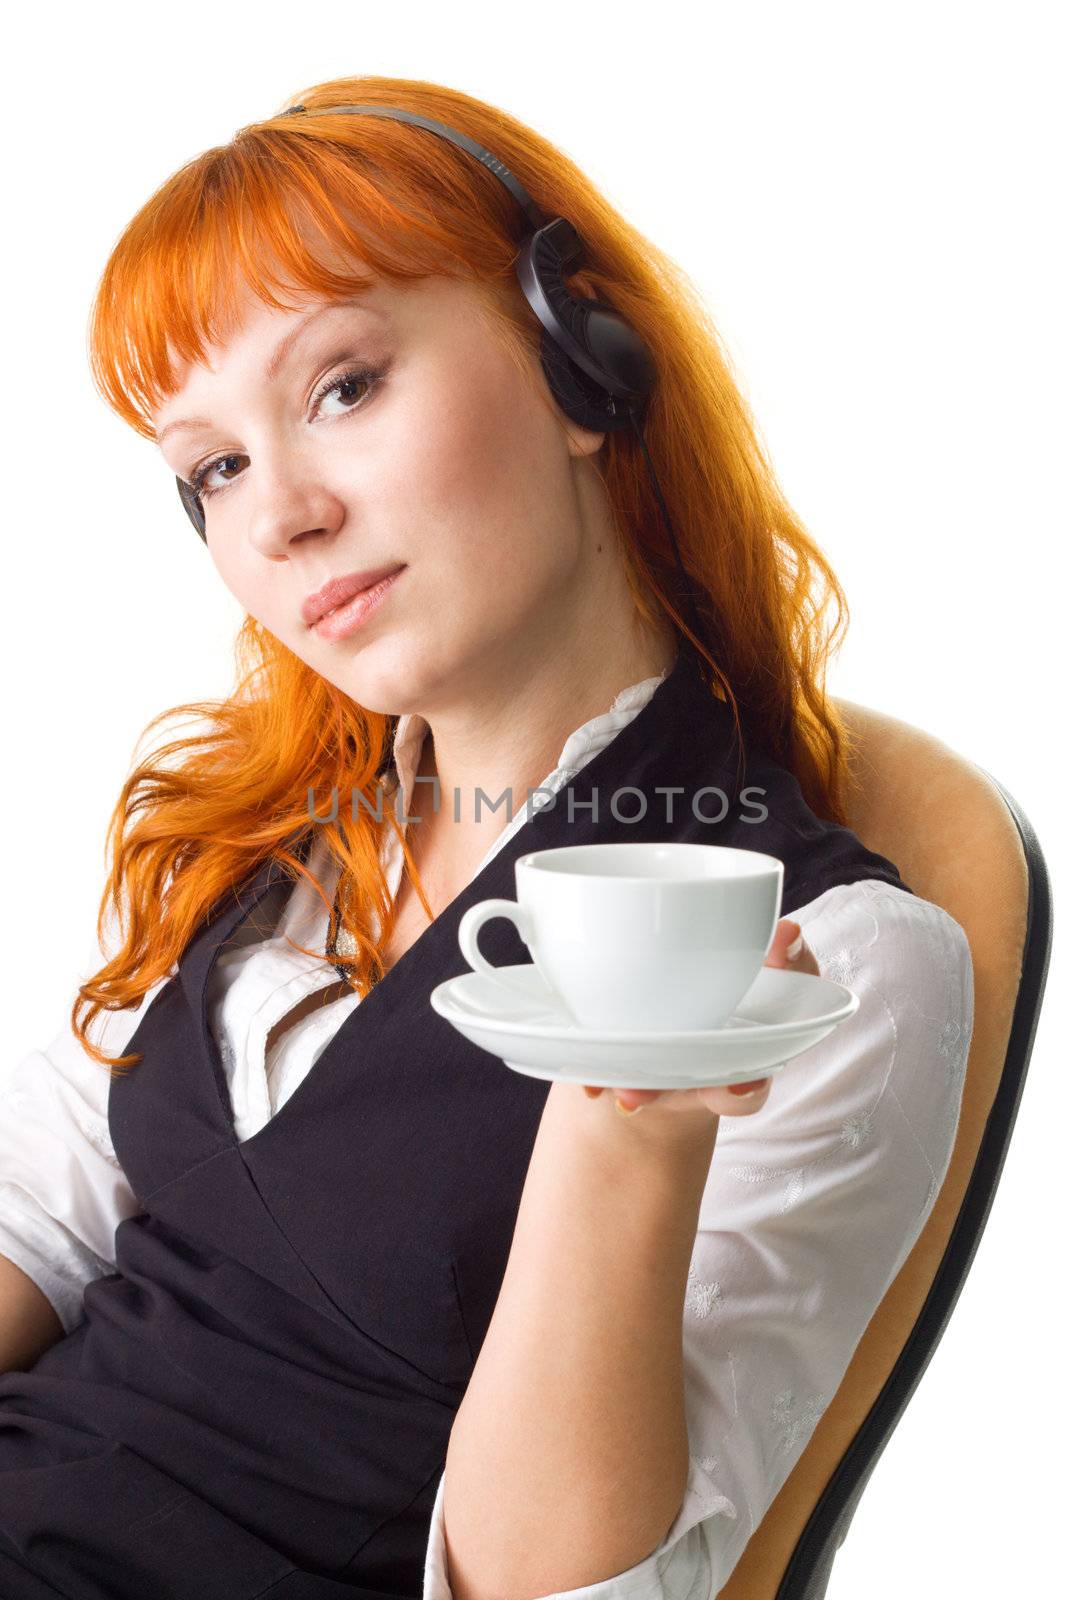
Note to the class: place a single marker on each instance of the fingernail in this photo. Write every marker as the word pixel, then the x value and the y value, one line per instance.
pixel 744 1090
pixel 592 1093
pixel 795 948
pixel 627 1111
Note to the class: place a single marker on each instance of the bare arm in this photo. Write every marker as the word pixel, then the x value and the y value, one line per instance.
pixel 568 1458
pixel 62 1189
pixel 28 1324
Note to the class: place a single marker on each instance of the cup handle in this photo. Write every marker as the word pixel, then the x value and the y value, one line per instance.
pixel 470 926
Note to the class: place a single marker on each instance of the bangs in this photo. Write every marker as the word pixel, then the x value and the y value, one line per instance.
pixel 287 210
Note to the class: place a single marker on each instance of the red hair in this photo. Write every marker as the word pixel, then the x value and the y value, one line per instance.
pixel 196 817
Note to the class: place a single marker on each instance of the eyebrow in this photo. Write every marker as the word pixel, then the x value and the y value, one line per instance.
pixel 278 355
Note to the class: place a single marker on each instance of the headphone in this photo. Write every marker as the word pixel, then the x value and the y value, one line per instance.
pixel 598 367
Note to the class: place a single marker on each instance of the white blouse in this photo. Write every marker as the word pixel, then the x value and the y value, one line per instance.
pixel 811 1205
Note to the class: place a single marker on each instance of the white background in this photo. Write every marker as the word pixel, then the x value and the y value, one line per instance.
pixel 869 199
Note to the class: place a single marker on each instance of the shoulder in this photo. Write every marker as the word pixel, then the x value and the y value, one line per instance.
pixel 889 1079
pixel 885 936
pixel 768 812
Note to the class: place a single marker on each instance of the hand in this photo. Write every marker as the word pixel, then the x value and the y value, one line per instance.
pixel 722 1100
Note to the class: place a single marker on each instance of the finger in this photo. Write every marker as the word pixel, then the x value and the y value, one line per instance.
pixel 790 950
pixel 785 936
pixel 628 1101
pixel 737 1100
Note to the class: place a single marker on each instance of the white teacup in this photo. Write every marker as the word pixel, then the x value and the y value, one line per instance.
pixel 640 937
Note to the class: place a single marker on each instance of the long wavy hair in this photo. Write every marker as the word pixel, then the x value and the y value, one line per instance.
pixel 202 812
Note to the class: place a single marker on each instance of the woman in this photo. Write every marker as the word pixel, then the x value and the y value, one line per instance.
pixel 280 1246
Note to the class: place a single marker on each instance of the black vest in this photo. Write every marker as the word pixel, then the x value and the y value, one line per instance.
pixel 266 1384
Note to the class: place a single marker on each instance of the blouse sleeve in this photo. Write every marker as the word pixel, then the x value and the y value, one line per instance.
pixel 62 1189
pixel 811 1207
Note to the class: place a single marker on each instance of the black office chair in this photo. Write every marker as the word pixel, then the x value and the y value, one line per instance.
pixel 961 841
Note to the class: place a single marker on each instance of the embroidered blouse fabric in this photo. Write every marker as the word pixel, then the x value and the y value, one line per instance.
pixel 810 1209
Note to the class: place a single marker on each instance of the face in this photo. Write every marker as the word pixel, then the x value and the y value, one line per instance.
pixel 388 433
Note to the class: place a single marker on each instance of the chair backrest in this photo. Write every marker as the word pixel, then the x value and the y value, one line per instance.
pixel 960 841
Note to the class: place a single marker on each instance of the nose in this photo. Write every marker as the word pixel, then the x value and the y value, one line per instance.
pixel 291 505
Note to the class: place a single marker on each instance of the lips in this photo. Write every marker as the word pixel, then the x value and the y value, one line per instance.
pixel 339 591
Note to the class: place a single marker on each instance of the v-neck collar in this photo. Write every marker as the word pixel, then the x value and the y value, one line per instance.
pixel 411 730
pixel 668 739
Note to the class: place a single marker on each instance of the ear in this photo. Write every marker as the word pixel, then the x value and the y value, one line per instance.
pixel 582 441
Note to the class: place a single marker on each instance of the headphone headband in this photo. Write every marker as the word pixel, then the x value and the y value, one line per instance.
pixel 534 215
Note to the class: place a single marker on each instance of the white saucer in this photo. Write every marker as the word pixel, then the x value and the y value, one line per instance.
pixel 781 1015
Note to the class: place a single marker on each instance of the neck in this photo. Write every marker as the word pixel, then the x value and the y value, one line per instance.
pixel 507 747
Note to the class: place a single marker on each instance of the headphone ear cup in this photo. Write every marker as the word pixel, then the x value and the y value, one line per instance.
pixel 578 396
pixel 194 510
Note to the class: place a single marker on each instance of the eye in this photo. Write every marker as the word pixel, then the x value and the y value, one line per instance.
pixel 198 478
pixel 347 381
pixel 352 379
